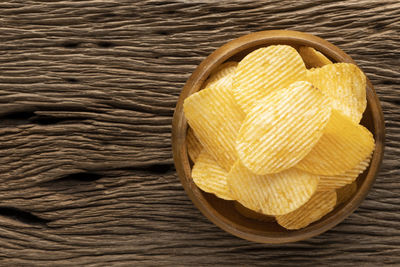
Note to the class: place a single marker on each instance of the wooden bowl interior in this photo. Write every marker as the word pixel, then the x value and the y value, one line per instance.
pixel 223 213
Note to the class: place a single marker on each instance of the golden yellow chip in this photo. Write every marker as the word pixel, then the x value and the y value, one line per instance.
pixel 280 130
pixel 266 70
pixel 313 58
pixel 251 214
pixel 342 147
pixel 272 194
pixel 319 205
pixel 331 182
pixel 215 118
pixel 210 177
pixel 194 146
pixel 344 84
pixel 346 192
pixel 222 76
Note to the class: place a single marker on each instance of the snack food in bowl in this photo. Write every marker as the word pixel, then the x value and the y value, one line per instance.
pixel 276 127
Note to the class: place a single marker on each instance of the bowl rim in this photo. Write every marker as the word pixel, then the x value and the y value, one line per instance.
pixel 179 128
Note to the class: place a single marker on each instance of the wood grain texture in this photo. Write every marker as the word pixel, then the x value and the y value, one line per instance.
pixel 87 92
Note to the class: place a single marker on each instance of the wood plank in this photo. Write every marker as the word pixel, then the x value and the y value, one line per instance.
pixel 87 92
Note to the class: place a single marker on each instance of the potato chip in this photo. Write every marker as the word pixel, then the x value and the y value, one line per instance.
pixel 331 182
pixel 266 70
pixel 280 130
pixel 210 177
pixel 272 194
pixel 342 147
pixel 344 84
pixel 318 206
pixel 251 214
pixel 215 118
pixel 346 192
pixel 222 76
pixel 194 146
pixel 313 58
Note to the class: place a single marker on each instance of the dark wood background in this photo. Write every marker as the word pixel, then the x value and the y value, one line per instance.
pixel 87 93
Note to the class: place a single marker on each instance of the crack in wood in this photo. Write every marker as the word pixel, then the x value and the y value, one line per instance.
pixel 105 44
pixel 31 117
pixel 47 120
pixel 80 177
pixel 71 44
pixel 22 216
pixel 71 80
pixel 98 173
pixel 17 118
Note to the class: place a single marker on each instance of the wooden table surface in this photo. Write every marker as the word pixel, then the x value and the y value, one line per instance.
pixel 88 89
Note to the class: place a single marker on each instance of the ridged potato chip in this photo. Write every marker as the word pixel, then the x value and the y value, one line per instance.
pixel 313 58
pixel 280 130
pixel 222 76
pixel 194 146
pixel 346 192
pixel 210 177
pixel 251 214
pixel 264 71
pixel 318 206
pixel 344 84
pixel 342 147
pixel 272 194
pixel 330 182
pixel 215 118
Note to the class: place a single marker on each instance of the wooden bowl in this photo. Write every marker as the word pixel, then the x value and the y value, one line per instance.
pixel 222 212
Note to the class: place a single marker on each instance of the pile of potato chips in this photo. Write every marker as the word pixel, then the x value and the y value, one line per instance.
pixel 279 133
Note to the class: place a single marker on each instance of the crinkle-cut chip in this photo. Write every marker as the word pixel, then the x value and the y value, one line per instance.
pixel 210 177
pixel 331 182
pixel 216 119
pixel 313 58
pixel 194 146
pixel 265 70
pixel 346 192
pixel 344 84
pixel 251 214
pixel 319 205
pixel 272 194
pixel 342 147
pixel 222 76
pixel 282 128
